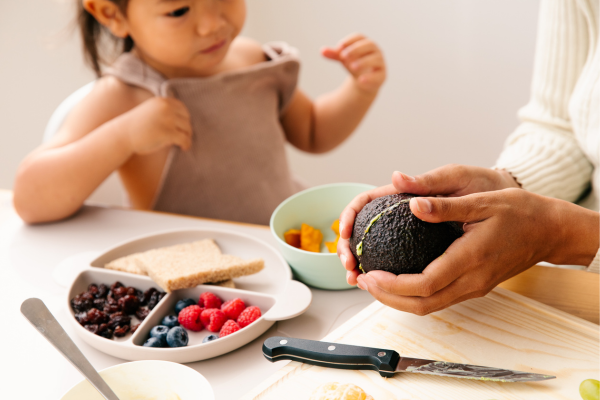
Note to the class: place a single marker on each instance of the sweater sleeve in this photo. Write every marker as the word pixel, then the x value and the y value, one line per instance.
pixel 543 154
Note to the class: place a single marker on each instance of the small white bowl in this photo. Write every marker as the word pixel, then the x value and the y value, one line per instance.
pixel 158 380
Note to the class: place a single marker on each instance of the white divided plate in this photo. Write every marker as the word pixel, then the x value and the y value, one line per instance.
pixel 272 289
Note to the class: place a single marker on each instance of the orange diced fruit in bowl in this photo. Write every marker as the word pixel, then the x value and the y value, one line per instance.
pixel 310 238
pixel 332 246
pixel 292 237
pixel 335 227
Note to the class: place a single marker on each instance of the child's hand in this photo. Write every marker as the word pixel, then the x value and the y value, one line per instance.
pixel 156 123
pixel 362 58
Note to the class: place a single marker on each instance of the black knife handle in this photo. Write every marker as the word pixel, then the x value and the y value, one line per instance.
pixel 332 355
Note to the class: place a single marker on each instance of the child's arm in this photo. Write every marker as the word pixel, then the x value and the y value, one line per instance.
pixel 102 133
pixel 320 126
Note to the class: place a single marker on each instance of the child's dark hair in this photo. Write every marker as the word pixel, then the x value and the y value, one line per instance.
pixel 92 33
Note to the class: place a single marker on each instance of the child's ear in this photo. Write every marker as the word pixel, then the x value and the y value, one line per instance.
pixel 108 14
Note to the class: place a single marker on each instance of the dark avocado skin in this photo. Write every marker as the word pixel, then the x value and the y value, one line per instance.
pixel 399 242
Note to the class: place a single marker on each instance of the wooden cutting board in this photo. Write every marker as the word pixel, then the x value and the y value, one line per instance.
pixel 502 329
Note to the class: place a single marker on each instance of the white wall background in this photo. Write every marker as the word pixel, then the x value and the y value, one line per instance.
pixel 458 72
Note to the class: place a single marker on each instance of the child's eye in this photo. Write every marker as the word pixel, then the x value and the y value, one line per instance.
pixel 179 12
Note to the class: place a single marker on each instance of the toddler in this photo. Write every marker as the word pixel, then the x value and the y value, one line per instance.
pixel 193 117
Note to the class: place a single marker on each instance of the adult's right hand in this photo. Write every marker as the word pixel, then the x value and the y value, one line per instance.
pixel 451 180
pixel 157 123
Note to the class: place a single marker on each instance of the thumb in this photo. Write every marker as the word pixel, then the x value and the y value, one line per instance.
pixel 468 208
pixel 330 53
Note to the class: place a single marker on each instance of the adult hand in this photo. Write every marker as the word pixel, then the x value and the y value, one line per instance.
pixel 506 232
pixel 450 180
pixel 157 123
pixel 362 58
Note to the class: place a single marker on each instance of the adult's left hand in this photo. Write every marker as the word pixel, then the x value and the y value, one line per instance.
pixel 506 232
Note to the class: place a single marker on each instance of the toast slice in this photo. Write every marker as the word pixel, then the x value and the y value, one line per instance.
pixel 131 263
pixel 173 271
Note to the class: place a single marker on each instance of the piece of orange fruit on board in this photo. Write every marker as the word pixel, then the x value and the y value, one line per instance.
pixel 310 238
pixel 337 391
pixel 292 237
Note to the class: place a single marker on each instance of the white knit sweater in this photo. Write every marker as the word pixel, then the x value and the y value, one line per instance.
pixel 555 151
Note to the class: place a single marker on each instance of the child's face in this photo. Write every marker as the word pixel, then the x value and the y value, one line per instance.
pixel 184 37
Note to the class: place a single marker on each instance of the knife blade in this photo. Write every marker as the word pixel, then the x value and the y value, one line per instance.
pixel 386 362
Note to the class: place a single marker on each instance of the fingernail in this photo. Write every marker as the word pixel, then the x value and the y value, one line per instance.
pixel 407 177
pixel 423 205
pixel 348 275
pixel 354 65
pixel 344 259
pixel 361 283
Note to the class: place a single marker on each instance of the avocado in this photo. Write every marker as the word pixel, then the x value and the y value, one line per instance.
pixel 388 237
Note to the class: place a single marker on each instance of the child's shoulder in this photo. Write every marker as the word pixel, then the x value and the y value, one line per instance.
pixel 109 98
pixel 246 52
pixel 111 89
pixel 112 97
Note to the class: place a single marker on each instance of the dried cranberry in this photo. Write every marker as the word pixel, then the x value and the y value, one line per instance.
pixel 82 302
pixel 105 331
pixel 140 296
pixel 142 313
pixel 111 308
pixel 102 291
pixel 119 292
pixel 92 328
pixel 121 330
pixel 118 319
pixel 115 285
pixel 153 301
pixel 129 304
pixel 93 289
pixel 99 303
pixel 82 318
pixel 149 292
pixel 110 299
pixel 97 317
pixel 134 327
pixel 131 291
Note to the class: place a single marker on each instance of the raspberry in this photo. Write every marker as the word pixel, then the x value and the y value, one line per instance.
pixel 205 316
pixel 248 316
pixel 233 308
pixel 213 319
pixel 209 300
pixel 228 328
pixel 189 318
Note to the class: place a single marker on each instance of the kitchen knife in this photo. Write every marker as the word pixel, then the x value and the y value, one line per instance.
pixel 386 362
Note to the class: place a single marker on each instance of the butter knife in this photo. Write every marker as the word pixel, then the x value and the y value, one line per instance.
pixel 386 362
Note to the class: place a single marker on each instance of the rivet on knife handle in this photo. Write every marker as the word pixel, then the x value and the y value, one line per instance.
pixel 334 355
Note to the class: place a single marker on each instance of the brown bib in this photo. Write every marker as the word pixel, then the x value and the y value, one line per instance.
pixel 236 168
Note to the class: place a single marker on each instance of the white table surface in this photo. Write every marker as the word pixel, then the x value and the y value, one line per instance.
pixel 33 369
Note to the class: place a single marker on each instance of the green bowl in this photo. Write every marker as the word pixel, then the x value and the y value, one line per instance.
pixel 317 207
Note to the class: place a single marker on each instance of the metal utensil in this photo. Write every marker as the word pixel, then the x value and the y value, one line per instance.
pixel 386 362
pixel 40 317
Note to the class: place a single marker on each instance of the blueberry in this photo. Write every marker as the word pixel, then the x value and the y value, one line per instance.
pixel 177 337
pixel 154 342
pixel 170 321
pixel 160 332
pixel 181 304
pixel 209 338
